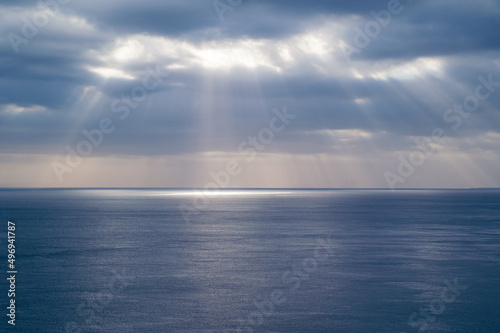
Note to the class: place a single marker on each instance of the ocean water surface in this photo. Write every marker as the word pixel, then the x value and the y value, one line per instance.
pixel 143 260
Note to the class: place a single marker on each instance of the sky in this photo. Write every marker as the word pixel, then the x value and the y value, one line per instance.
pixel 252 93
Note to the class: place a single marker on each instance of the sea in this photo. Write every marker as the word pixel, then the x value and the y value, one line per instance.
pixel 250 260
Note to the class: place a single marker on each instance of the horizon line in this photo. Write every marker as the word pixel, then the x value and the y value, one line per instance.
pixel 256 188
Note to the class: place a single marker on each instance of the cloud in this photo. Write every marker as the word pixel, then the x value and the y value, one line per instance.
pixel 221 79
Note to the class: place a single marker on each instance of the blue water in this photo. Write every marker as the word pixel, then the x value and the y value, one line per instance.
pixel 128 261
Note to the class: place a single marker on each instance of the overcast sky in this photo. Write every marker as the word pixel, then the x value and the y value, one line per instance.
pixel 332 93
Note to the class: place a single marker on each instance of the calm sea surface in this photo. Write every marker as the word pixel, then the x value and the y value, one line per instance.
pixel 253 261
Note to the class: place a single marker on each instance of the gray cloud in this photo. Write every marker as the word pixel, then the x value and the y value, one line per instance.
pixel 225 77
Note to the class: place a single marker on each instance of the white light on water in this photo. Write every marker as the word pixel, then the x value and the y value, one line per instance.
pixel 214 193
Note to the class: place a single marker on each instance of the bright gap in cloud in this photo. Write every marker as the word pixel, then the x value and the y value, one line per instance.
pixel 16 109
pixel 226 54
pixel 410 70
pixel 111 73
pixel 346 134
